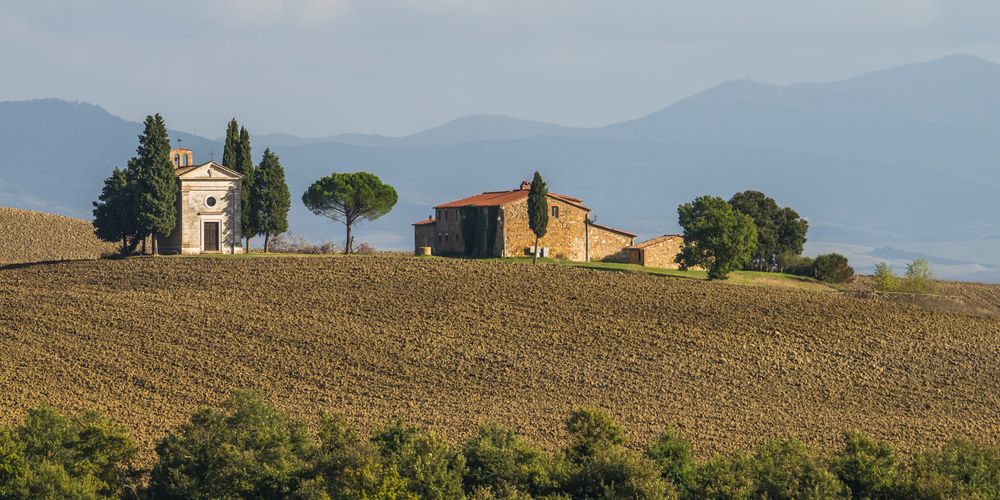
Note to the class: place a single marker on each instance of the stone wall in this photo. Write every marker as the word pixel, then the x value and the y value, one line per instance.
pixel 607 245
pixel 565 236
pixel 423 236
pixel 661 253
pixel 195 212
pixel 448 232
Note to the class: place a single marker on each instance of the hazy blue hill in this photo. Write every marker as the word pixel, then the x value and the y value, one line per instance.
pixel 939 114
pixel 472 128
pixel 57 153
pixel 899 159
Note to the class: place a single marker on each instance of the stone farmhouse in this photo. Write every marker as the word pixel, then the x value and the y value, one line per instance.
pixel 657 252
pixel 208 208
pixel 495 224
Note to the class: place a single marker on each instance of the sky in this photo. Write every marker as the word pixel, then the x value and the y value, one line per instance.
pixel 322 67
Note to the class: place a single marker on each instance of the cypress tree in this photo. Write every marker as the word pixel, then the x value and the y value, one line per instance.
pixel 244 165
pixel 230 153
pixel 271 198
pixel 538 210
pixel 155 182
pixel 114 215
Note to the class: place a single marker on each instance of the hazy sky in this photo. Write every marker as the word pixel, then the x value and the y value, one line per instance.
pixel 318 67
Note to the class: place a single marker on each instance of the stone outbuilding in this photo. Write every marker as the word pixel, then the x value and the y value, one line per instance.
pixel 495 224
pixel 209 208
pixel 658 252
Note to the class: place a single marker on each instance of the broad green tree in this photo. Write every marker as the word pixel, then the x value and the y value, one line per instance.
pixel 114 214
pixel 349 198
pixel 245 449
pixel 538 210
pixel 779 230
pixel 155 181
pixel 716 236
pixel 272 198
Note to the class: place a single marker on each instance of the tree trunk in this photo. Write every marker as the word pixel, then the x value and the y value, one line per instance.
pixel 246 248
pixel 534 255
pixel 144 245
pixel 156 248
pixel 267 241
pixel 347 247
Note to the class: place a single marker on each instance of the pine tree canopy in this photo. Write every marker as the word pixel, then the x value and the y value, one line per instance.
pixel 349 198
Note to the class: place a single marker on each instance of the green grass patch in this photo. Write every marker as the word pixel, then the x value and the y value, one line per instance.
pixel 748 278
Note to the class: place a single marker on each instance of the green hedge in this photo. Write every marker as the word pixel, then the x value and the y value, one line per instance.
pixel 245 448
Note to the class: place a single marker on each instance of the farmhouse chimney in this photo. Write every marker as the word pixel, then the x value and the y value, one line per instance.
pixel 525 185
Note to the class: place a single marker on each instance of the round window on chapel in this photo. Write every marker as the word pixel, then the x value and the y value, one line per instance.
pixel 210 201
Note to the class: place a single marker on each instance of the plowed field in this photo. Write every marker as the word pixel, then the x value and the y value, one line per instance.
pixel 450 344
pixel 29 236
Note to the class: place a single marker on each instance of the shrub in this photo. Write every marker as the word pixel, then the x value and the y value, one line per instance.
pixel 883 279
pixel 959 469
pixel 51 456
pixel 619 473
pixel 430 466
pixel 292 243
pixel 919 278
pixel 832 268
pixel 786 468
pixel 497 459
pixel 793 263
pixel 245 448
pixel 350 467
pixel 591 431
pixel 724 476
pixel 869 468
pixel 671 452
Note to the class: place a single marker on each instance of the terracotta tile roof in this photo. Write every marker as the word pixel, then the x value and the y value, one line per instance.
pixel 657 240
pixel 429 220
pixel 498 198
pixel 613 230
pixel 488 199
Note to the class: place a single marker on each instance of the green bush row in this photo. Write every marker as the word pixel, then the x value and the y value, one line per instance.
pixel 248 449
pixel 831 267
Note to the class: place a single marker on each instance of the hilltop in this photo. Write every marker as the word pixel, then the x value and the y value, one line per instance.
pixel 450 344
pixel 29 236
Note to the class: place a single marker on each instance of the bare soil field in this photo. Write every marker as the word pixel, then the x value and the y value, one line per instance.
pixel 29 236
pixel 451 344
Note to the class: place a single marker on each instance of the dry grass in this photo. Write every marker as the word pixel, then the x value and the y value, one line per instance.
pixel 28 236
pixel 450 344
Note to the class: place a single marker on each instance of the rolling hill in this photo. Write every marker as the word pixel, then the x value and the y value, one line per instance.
pixel 450 344
pixel 895 162
pixel 29 236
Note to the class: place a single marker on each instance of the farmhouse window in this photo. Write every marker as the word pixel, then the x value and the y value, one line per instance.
pixel 555 211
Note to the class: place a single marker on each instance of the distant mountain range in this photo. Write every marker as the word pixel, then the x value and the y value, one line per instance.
pixel 886 165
